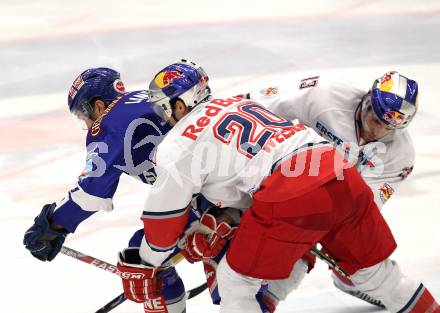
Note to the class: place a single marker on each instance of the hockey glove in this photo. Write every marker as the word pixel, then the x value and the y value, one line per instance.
pixel 40 239
pixel 141 282
pixel 208 240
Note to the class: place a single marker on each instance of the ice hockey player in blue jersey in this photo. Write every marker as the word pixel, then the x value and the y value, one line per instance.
pixel 123 130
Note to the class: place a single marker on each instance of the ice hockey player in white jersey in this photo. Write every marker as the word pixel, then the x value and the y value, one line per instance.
pixel 294 188
pixel 369 128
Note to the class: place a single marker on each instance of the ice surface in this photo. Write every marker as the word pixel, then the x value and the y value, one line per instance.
pixel 243 45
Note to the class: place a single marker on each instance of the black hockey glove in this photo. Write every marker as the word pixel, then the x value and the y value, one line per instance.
pixel 40 239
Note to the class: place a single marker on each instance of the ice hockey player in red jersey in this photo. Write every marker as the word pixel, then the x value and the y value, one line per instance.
pixel 295 191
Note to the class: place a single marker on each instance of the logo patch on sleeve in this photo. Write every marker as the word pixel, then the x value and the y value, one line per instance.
pixel 386 192
pixel 268 92
pixel 119 86
pixel 89 166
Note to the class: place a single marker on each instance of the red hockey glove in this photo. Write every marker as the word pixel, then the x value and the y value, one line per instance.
pixel 208 240
pixel 141 282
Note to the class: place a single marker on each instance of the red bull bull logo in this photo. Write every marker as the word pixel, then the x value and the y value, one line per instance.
pixel 386 77
pixel 386 82
pixel 394 118
pixel 163 79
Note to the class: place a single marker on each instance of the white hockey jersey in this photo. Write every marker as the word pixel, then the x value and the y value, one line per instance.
pixel 332 109
pixel 222 149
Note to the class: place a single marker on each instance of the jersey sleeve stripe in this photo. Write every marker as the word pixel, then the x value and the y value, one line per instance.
pixel 161 215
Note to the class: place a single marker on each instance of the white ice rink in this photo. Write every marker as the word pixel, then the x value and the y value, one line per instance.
pixel 243 45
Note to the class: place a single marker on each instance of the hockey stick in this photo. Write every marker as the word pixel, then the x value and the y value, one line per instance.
pixel 355 293
pixel 190 293
pixel 119 299
pixel 112 269
pixel 88 259
pixel 112 304
pixel 197 290
pixel 330 262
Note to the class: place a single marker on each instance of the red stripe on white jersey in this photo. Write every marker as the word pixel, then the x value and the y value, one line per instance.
pixel 163 233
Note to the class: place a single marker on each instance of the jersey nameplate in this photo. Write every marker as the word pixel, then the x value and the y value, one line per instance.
pixel 193 130
pixel 96 127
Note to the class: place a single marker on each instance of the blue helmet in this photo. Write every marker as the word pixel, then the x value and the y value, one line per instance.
pixel 94 83
pixel 184 80
pixel 394 99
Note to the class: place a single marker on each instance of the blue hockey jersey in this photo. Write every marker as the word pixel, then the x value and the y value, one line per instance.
pixel 122 140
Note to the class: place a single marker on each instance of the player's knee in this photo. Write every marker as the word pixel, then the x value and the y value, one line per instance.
pixel 281 288
pixel 235 288
pixel 224 276
pixel 173 291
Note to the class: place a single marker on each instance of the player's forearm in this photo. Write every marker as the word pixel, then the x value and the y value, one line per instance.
pixel 163 229
pixel 76 207
pixel 153 257
pixel 68 216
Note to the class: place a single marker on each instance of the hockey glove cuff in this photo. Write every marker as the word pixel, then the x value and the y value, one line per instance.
pixel 141 282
